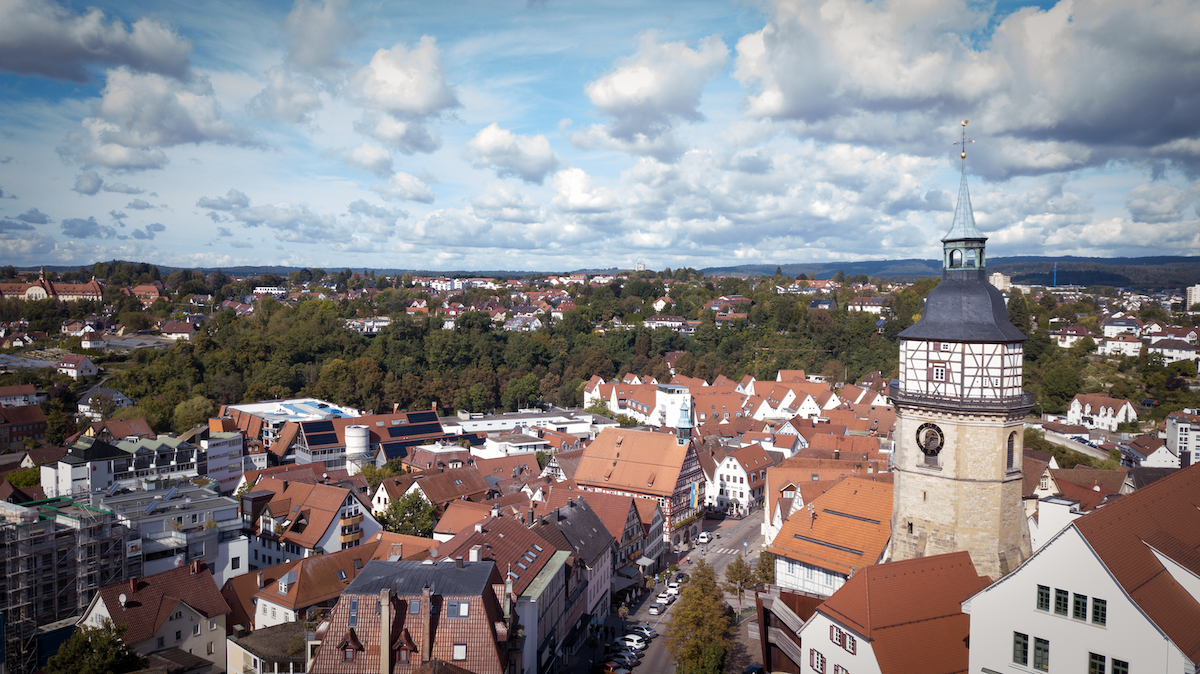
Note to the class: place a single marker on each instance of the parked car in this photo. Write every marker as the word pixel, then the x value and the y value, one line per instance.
pixel 657 608
pixel 634 641
pixel 704 537
pixel 673 588
pixel 682 577
pixel 665 598
pixel 611 668
pixel 644 630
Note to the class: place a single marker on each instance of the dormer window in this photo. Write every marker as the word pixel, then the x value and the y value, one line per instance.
pixel 348 654
pixel 402 654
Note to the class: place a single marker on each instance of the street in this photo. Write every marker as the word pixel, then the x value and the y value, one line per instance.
pixel 737 536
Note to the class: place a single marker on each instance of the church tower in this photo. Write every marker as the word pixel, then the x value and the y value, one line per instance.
pixel 960 407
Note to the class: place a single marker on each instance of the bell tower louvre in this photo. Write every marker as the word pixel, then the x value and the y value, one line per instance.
pixel 960 408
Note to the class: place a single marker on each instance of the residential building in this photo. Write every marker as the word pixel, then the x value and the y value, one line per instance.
pixel 55 555
pixel 782 615
pixel 177 330
pixel 280 648
pixel 657 466
pixel 223 447
pixel 841 532
pixel 77 366
pixel 1126 569
pixel 871 623
pixel 96 400
pixel 651 517
pixel 20 395
pixel 1172 350
pixel 21 425
pixel 430 614
pixel 182 524
pixel 290 520
pixel 352 442
pixel 1193 297
pixel 1001 281
pixel 575 529
pixel 1071 335
pixel 42 289
pixel 1183 435
pixel 1121 345
pixel 1100 411
pixel 265 422
pixel 177 609
pixel 1121 326
pixel 739 479
pixel 435 486
pixel 89 465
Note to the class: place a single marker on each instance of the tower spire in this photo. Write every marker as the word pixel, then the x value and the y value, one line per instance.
pixel 962 246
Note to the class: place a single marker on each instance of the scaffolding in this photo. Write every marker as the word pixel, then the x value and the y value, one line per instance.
pixel 54 556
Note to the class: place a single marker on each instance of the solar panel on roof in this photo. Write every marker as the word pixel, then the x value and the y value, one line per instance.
pixel 415 429
pixel 171 493
pixel 150 508
pixel 318 427
pixel 320 439
pixel 420 417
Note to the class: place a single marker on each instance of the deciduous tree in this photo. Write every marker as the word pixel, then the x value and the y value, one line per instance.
pixel 410 514
pixel 700 620
pixel 96 650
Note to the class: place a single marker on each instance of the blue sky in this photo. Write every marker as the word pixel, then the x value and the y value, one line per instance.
pixel 554 136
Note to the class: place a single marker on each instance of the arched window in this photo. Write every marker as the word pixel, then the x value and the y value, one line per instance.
pixel 955 258
pixel 1012 445
pixel 971 258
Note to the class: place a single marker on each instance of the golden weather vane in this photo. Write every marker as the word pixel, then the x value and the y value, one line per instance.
pixel 964 140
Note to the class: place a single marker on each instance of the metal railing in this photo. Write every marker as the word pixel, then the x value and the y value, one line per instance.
pixel 1024 401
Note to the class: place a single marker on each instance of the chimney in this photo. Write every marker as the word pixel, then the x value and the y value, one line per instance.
pixel 426 609
pixel 195 566
pixel 479 527
pixel 261 580
pixel 530 520
pixel 473 555
pixel 385 631
pixel 133 584
pixel 458 562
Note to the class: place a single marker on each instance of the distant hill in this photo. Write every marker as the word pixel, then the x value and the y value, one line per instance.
pixel 1158 272
pixel 1143 272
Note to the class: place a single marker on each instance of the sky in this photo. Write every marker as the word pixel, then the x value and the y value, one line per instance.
pixel 549 135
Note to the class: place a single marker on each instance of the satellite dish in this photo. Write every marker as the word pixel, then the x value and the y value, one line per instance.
pixel 178 560
pixel 122 599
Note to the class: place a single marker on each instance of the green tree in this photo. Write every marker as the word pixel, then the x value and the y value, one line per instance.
pixel 1018 311
pixel 96 650
pixel 764 570
pixel 698 621
pixel 410 514
pixel 191 413
pixel 739 577
pixel 26 478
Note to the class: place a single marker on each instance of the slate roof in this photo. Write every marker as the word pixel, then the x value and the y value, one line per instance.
pixel 918 601
pixel 154 598
pixel 1162 517
pixel 959 310
pixel 568 462
pixel 582 531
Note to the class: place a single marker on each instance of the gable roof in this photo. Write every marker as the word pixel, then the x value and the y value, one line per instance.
pixel 850 530
pixel 1164 517
pixel 1084 476
pixel 152 599
pixel 917 601
pixel 514 548
pixel 318 503
pixel 639 461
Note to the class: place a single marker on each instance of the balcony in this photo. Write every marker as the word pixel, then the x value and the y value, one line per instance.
pixel 1019 404
pixel 351 521
pixel 350 538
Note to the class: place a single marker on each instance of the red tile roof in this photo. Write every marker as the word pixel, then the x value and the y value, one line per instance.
pixel 1162 517
pixel 918 601
pixel 152 599
pixel 638 461
pixel 850 530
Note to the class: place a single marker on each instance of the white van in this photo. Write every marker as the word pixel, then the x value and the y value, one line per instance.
pixel 704 537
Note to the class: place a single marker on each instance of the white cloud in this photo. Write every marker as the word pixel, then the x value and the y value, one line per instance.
pixel 405 186
pixel 88 182
pixel 402 90
pixel 40 37
pixel 575 192
pixel 121 188
pixel 1073 86
pixel 505 204
pixel 1160 203
pixel 648 94
pixel 526 157
pixel 287 97
pixel 319 32
pixel 139 114
pixel 232 200
pixel 370 158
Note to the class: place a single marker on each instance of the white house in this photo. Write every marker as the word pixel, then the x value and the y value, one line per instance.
pixel 1183 434
pixel 1096 410
pixel 1173 350
pixel 77 366
pixel 1121 345
pixel 1118 326
pixel 739 478
pixel 90 403
pixel 1068 336
pixel 873 624
pixel 1114 592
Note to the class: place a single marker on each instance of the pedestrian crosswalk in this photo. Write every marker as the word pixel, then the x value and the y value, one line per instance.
pixel 723 551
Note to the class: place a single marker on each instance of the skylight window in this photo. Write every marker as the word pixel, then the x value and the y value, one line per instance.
pixel 341 574
pixel 537 547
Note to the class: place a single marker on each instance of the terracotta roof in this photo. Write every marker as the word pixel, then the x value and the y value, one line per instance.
pixel 642 462
pixel 848 444
pixel 1162 517
pixel 1096 401
pixel 318 503
pixel 1032 471
pixel 1083 476
pixel 509 544
pixel 123 428
pixel 460 516
pixel 1089 498
pixel 406 547
pixel 850 531
pixel 612 509
pixel 152 599
pixel 239 592
pixel 285 439
pixel 918 601
pixel 452 485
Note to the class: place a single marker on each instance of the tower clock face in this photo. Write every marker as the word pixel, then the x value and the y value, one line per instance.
pixel 930 439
